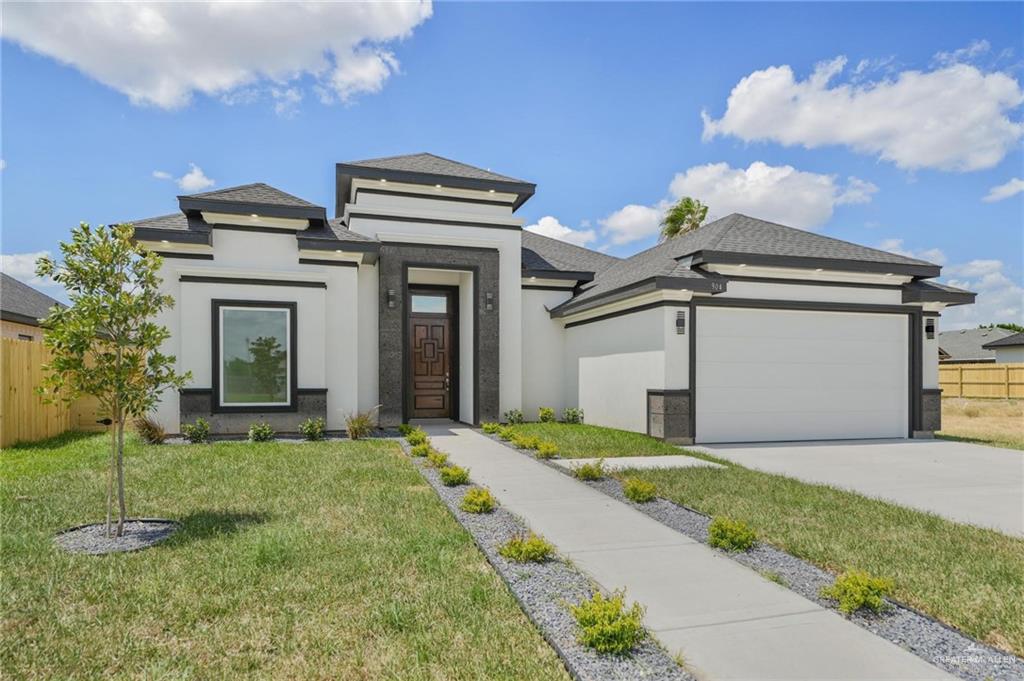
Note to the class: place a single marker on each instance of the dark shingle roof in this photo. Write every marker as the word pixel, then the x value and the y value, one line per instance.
pixel 544 254
pixel 1007 342
pixel 257 192
pixel 172 221
pixel 970 344
pixel 19 302
pixel 431 164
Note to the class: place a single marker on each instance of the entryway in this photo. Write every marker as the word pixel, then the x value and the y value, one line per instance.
pixel 433 352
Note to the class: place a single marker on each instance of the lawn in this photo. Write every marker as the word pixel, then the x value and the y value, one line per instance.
pixel 577 441
pixel 992 422
pixel 328 560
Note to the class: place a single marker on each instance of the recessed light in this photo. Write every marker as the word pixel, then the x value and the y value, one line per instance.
pixel 253 216
pixel 533 278
pixel 819 270
pixel 437 186
pixel 490 191
pixel 888 274
pixel 742 264
pixel 338 251
pixel 383 180
pixel 164 241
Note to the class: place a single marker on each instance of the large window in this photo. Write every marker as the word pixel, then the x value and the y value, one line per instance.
pixel 254 362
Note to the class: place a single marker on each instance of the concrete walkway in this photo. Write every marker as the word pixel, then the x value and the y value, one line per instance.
pixel 964 482
pixel 619 463
pixel 726 620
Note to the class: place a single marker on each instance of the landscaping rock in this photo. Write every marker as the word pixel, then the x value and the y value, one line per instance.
pixel 138 534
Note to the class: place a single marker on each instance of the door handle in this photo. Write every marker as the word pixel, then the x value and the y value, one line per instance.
pixel 447 381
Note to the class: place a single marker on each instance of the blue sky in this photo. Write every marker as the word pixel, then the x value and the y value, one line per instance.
pixel 599 104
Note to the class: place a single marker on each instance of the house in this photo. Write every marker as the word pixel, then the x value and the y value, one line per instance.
pixel 425 296
pixel 968 345
pixel 1008 349
pixel 21 308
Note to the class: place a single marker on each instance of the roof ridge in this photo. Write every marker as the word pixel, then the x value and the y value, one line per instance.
pixel 234 188
pixel 571 245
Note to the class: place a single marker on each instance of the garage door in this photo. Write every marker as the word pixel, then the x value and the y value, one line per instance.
pixel 765 375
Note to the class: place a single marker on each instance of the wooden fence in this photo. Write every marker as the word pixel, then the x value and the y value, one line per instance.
pixel 982 380
pixel 23 415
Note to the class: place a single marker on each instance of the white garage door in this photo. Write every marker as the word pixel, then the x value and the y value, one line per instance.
pixel 779 375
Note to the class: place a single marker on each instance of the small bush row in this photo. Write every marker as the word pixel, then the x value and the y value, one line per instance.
pixel 514 417
pixel 312 429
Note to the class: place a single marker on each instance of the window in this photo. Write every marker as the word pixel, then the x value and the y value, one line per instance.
pixel 25 336
pixel 429 303
pixel 254 362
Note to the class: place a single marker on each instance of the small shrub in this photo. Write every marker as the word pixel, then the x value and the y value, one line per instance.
pixel 506 433
pixel 639 491
pixel 546 415
pixel 437 459
pixel 261 432
pixel 453 476
pixel 527 549
pixel 477 500
pixel 855 590
pixel 197 432
pixel 360 424
pixel 490 428
pixel 572 415
pixel 404 429
pixel 731 535
pixel 423 449
pixel 607 626
pixel 313 429
pixel 150 430
pixel 514 417
pixel 526 441
pixel 590 471
pixel 416 437
pixel 547 450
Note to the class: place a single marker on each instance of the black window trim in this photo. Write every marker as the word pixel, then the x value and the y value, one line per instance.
pixel 293 357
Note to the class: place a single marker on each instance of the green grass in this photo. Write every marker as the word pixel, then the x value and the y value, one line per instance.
pixel 576 441
pixel 312 560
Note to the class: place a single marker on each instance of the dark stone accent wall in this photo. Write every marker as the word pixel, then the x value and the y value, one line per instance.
pixel 668 416
pixel 395 259
pixel 931 410
pixel 193 404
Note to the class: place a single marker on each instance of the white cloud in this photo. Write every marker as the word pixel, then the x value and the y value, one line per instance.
pixel 194 180
pixel 963 54
pixel 551 227
pixel 1000 299
pixel 161 175
pixel 162 53
pixel 22 266
pixel 3 164
pixel 286 101
pixel 633 222
pixel 955 117
pixel 1004 191
pixel 932 255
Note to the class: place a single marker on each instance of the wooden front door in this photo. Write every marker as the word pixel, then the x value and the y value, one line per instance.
pixel 431 354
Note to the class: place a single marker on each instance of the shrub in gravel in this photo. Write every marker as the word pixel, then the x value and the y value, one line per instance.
pixel 490 427
pixel 547 450
pixel 546 415
pixel 731 535
pixel 198 432
pixel 313 429
pixel 404 429
pixel 513 417
pixel 261 432
pixel 437 459
pixel 572 415
pixel 421 450
pixel 639 491
pixel 607 626
pixel 150 430
pixel 855 590
pixel 530 548
pixel 416 436
pixel 590 471
pixel 453 476
pixel 478 500
pixel 506 433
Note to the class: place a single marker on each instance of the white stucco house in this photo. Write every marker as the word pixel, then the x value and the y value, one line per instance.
pixel 1009 349
pixel 425 296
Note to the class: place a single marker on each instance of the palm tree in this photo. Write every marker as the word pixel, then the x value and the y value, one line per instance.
pixel 685 216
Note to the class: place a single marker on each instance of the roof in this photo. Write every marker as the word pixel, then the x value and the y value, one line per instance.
pixel 432 164
pixel 19 302
pixel 256 192
pixel 936 292
pixel 256 198
pixel 1013 340
pixel 969 344
pixel 543 255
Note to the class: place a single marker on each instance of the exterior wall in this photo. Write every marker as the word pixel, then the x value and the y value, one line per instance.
pixel 810 292
pixel 16 330
pixel 369 285
pixel 1009 355
pixel 543 353
pixel 930 356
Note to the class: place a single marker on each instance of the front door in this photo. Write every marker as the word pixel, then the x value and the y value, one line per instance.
pixel 431 353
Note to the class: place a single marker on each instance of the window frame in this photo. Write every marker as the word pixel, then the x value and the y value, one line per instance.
pixel 216 402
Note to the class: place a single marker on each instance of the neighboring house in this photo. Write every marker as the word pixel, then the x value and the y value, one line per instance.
pixel 425 296
pixel 21 308
pixel 968 345
pixel 1009 349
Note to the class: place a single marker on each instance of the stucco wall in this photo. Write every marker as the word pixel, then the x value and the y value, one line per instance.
pixel 543 353
pixel 1008 355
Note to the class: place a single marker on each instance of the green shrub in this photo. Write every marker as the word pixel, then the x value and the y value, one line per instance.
pixel 547 450
pixel 572 415
pixel 639 491
pixel 731 535
pixel 514 417
pixel 506 433
pixel 607 626
pixel 526 441
pixel 453 476
pixel 422 449
pixel 437 459
pixel 590 471
pixel 150 430
pixel 313 429
pixel 490 428
pixel 360 424
pixel 546 415
pixel 198 432
pixel 261 432
pixel 405 429
pixel 856 589
pixel 527 549
pixel 416 436
pixel 477 500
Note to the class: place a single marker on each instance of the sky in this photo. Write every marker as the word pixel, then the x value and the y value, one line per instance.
pixel 897 126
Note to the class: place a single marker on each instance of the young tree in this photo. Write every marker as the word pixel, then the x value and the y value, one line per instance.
pixel 105 343
pixel 684 216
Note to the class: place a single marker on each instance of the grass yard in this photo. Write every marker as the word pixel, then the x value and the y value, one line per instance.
pixel 326 560
pixel 992 422
pixel 577 441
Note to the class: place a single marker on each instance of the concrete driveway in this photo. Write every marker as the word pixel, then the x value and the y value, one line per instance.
pixel 964 482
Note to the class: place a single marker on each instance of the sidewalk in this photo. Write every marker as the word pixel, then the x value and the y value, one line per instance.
pixel 726 620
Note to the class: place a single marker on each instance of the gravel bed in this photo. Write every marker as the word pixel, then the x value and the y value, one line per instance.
pixel 926 637
pixel 544 591
pixel 138 534
pixel 292 438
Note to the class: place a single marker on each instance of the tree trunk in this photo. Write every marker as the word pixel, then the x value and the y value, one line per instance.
pixel 110 479
pixel 120 475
